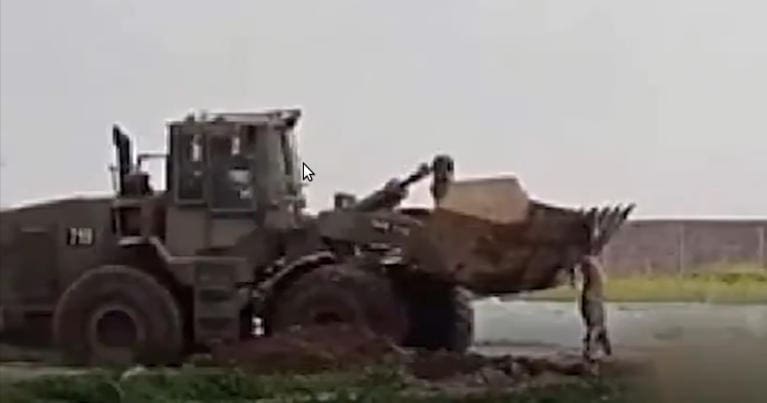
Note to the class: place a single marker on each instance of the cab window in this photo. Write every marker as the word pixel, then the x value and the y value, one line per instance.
pixel 230 167
pixel 189 167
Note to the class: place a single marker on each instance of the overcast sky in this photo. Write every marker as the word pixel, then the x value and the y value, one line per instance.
pixel 662 102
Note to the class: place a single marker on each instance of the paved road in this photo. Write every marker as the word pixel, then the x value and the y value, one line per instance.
pixel 631 325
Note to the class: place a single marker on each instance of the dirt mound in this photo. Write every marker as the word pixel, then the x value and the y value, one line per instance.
pixel 316 349
pixel 442 364
pixel 309 349
pixel 439 366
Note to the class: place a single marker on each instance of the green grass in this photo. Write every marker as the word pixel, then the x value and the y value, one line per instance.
pixel 234 386
pixel 718 285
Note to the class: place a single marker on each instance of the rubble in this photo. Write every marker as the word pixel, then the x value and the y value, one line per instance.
pixel 316 349
pixel 309 349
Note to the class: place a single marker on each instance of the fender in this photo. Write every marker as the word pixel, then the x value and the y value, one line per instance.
pixel 283 274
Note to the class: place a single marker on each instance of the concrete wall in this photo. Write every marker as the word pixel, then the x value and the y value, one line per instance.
pixel 679 246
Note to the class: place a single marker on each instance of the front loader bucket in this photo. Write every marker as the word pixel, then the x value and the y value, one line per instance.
pixel 489 236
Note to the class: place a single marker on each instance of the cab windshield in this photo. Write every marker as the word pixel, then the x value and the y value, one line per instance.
pixel 232 184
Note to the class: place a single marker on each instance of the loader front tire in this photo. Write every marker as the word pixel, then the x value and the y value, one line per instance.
pixel 341 294
pixel 442 318
pixel 118 315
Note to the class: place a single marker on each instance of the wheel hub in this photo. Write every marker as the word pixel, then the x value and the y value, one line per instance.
pixel 327 318
pixel 115 330
pixel 330 311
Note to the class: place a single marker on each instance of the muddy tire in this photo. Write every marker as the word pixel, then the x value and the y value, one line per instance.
pixel 341 294
pixel 442 318
pixel 118 315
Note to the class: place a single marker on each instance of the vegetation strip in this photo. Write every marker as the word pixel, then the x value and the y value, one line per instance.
pixel 730 287
pixel 373 385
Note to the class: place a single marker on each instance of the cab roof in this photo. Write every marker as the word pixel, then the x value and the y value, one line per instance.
pixel 273 116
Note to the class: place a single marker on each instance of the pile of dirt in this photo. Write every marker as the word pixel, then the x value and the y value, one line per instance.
pixel 473 374
pixel 441 365
pixel 309 349
pixel 315 349
pixel 478 370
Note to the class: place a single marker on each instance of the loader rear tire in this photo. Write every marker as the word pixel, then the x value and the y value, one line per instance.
pixel 442 318
pixel 118 315
pixel 341 294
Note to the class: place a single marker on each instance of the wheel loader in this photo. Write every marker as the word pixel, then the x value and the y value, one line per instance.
pixel 152 276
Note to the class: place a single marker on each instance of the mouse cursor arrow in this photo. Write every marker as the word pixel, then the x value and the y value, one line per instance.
pixel 308 174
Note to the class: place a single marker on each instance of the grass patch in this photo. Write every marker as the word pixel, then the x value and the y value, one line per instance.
pixel 197 385
pixel 720 285
pixel 379 385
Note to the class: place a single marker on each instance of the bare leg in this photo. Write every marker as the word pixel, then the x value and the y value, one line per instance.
pixel 592 309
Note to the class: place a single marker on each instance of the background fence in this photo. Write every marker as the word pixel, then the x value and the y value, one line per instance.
pixel 685 246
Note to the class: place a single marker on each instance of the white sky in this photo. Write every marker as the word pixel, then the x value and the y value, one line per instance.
pixel 663 103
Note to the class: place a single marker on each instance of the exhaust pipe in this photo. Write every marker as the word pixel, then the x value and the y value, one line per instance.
pixel 124 155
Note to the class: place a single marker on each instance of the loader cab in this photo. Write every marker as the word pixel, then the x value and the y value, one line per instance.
pixel 226 175
pixel 235 163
